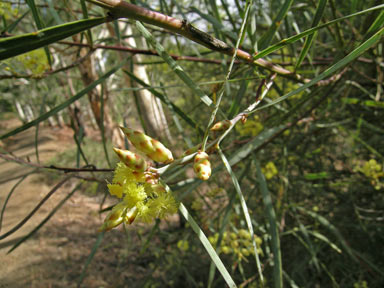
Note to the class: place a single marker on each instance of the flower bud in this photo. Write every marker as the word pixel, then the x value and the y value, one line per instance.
pixel 131 215
pixel 151 178
pixel 221 125
pixel 202 165
pixel 114 218
pixel 150 147
pixel 158 188
pixel 131 160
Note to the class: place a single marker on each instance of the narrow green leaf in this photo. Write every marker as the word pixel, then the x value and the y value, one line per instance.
pixel 230 18
pixel 102 128
pixel 325 239
pixel 216 24
pixel 308 41
pixel 266 39
pixel 227 213
pixel 16 45
pixel 34 210
pixel 259 140
pixel 323 221
pixel 54 13
pixel 85 15
pixel 90 258
pixel 330 70
pixel 310 31
pixel 42 223
pixel 317 176
pixel 10 194
pixel 273 229
pixel 64 104
pixel 36 16
pixel 173 65
pixel 40 25
pixel 178 125
pixel 218 102
pixel 12 26
pixel 177 110
pixel 376 25
pixel 245 211
pixel 37 129
pixel 235 107
pixel 211 251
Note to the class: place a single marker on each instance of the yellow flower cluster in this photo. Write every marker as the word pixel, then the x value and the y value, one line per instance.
pixel 34 61
pixel 183 245
pixel 141 201
pixel 374 171
pixel 250 128
pixel 239 244
pixel 269 170
pixel 7 10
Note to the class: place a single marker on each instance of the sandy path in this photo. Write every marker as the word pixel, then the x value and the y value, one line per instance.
pixel 55 255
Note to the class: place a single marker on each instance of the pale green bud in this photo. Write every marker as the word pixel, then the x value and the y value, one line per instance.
pixel 202 166
pixel 150 147
pixel 221 125
pixel 131 160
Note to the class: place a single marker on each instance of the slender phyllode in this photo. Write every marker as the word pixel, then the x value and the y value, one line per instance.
pixel 150 147
pixel 202 166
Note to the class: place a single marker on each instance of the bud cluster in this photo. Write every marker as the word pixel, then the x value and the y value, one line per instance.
pixel 270 170
pixel 143 197
pixel 150 147
pixel 238 244
pixel 373 171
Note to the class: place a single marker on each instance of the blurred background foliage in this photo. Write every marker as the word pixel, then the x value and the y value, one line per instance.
pixel 323 161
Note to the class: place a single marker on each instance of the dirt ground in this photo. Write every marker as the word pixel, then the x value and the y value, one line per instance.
pixel 55 256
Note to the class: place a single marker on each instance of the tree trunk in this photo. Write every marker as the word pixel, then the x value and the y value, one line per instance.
pixel 88 76
pixel 150 107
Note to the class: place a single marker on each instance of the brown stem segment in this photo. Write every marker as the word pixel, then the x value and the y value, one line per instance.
pixel 121 9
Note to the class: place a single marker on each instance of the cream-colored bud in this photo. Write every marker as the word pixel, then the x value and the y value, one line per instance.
pixel 114 218
pixel 221 125
pixel 151 147
pixel 131 160
pixel 202 166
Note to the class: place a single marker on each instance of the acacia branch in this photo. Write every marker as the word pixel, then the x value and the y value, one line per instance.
pixel 89 168
pixel 25 220
pixel 144 52
pixel 121 9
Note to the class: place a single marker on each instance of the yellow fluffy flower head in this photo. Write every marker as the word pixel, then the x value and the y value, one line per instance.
pixel 140 200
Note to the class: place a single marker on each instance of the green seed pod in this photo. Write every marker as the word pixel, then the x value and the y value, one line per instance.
pixel 202 166
pixel 221 125
pixel 150 147
pixel 131 160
